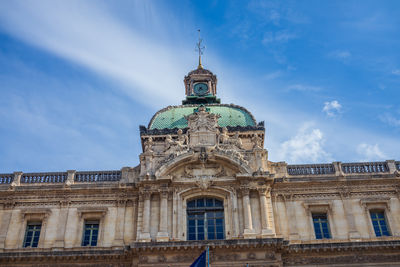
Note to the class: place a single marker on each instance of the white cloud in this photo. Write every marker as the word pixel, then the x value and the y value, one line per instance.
pixel 396 72
pixel 332 108
pixel 86 33
pixel 390 120
pixel 305 147
pixel 303 88
pixel 370 152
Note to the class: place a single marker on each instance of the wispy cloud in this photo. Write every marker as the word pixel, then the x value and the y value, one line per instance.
pixel 341 55
pixel 303 88
pixel 278 37
pixel 370 152
pixel 332 108
pixel 305 146
pixel 396 72
pixel 390 120
pixel 116 51
pixel 272 75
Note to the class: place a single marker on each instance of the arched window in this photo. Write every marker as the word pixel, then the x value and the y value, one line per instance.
pixel 205 219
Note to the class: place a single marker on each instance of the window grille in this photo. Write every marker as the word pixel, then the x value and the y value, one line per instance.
pixel 321 225
pixel 32 234
pixel 205 219
pixel 90 233
pixel 379 223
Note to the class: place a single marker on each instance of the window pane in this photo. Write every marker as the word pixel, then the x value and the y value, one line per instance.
pixel 200 236
pixel 192 236
pixel 209 202
pixel 218 203
pixel 191 203
pixel 200 202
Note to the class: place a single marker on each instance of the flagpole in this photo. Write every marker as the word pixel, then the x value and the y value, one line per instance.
pixel 208 256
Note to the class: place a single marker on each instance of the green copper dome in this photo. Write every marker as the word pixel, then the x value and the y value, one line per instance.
pixel 174 116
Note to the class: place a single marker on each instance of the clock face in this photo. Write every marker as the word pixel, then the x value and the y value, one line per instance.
pixel 200 88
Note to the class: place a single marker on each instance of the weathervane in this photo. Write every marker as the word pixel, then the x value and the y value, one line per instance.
pixel 200 49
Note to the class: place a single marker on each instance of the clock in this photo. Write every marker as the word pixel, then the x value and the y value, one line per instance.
pixel 200 88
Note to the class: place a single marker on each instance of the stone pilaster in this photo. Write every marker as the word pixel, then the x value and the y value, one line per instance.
pixel 119 223
pixel 348 210
pixel 162 235
pixel 5 222
pixel 145 234
pixel 291 217
pixel 266 230
pixel 62 224
pixel 235 213
pixel 248 220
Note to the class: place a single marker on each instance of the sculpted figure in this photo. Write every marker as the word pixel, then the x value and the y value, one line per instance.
pixel 223 137
pixel 257 141
pixel 169 143
pixel 236 141
pixel 182 140
pixel 148 145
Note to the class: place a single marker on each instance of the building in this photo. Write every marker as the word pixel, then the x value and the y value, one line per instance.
pixel 204 179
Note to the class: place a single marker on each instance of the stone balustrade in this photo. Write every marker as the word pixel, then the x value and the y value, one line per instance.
pixel 310 169
pixel 97 176
pixel 344 169
pixel 6 178
pixel 314 170
pixel 48 177
pixel 365 167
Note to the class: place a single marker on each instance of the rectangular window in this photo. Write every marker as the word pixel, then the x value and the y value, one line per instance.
pixel 379 223
pixel 32 234
pixel 90 233
pixel 321 225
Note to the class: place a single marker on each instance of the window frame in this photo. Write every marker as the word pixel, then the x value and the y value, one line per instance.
pixel 91 214
pixel 382 205
pixel 384 219
pixel 320 223
pixel 90 222
pixel 204 211
pixel 320 207
pixel 33 215
pixel 27 230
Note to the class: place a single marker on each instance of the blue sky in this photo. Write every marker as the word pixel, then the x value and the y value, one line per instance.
pixel 77 78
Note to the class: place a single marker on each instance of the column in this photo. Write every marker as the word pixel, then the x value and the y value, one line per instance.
pixel 235 213
pixel 266 231
pixel 248 220
pixel 145 234
pixel 162 235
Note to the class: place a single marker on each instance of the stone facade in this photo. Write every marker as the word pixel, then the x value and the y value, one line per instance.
pixel 142 211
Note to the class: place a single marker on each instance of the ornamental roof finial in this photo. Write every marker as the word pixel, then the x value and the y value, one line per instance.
pixel 200 49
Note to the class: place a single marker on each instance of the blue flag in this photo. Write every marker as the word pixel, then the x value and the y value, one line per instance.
pixel 200 261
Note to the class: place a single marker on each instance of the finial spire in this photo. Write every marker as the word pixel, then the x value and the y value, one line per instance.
pixel 200 49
